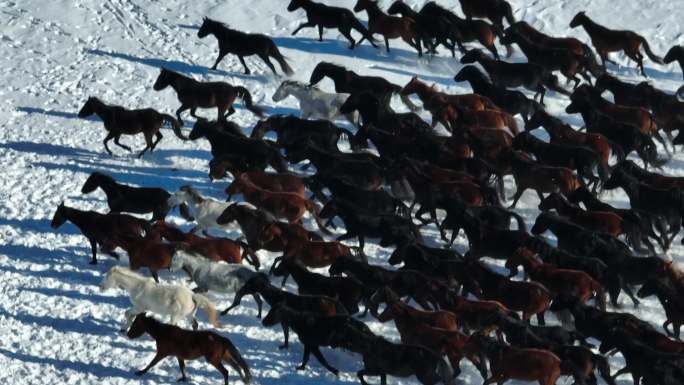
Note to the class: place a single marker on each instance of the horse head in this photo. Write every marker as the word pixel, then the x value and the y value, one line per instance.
pixel 60 216
pixel 140 325
pixel 578 20
pixel 89 107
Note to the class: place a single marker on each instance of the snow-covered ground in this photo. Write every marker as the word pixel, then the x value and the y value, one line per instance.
pixel 56 326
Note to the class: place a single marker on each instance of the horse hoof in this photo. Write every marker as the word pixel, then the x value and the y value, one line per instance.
pixel 93 262
pixel 139 372
pixel 300 367
pixel 281 347
pixel 182 379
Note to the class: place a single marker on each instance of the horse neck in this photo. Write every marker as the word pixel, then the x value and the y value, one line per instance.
pixel 374 12
pixel 174 234
pixel 424 92
pixel 179 81
pixel 271 294
pixel 102 110
pixel 107 185
pixel 590 25
pixel 158 330
pixel 78 217
pixel 191 263
pixel 128 282
pixel 297 91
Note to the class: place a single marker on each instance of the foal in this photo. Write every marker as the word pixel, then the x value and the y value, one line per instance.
pixel 189 345
pixel 390 27
pixel 609 40
pixel 243 44
pixel 123 198
pixel 194 94
pixel 121 121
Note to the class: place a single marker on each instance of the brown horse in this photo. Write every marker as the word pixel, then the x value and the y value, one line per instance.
pixel 285 205
pixel 508 362
pixel 427 93
pixel 609 40
pixel 216 249
pixel 100 229
pixel 494 10
pixel 314 254
pixel 121 121
pixel 390 27
pixel 601 221
pixel 439 318
pixel 194 94
pixel 149 252
pixel 457 118
pixel 476 314
pixel 189 345
pixel 560 282
pixel 276 182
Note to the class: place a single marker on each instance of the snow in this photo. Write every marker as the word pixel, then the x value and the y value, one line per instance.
pixel 56 326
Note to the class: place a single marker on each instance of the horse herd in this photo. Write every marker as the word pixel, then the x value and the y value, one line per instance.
pixel 464 308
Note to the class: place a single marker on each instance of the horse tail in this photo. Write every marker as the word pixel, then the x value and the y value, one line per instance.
pixel 649 53
pixel 275 52
pixel 203 303
pixel 508 12
pixel 314 210
pixel 246 97
pixel 600 294
pixel 247 251
pixel 236 357
pixel 445 371
pixel 175 125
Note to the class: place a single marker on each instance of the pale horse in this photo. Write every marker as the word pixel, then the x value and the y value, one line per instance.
pixel 220 277
pixel 177 302
pixel 314 103
pixel 205 211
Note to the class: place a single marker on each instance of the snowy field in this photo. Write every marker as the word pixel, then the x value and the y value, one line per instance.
pixel 56 326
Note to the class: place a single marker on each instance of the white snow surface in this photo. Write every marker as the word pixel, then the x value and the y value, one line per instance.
pixel 56 326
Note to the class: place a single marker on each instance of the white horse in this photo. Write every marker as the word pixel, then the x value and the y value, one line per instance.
pixel 177 302
pixel 205 211
pixel 216 276
pixel 314 103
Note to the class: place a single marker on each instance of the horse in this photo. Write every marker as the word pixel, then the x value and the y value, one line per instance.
pixel 601 221
pixel 494 10
pixel 507 362
pixel 254 153
pixel 281 204
pixel 314 254
pixel 193 94
pixel 314 103
pixel 669 300
pixel 676 53
pixel 511 101
pixel 121 121
pixel 205 211
pixel 149 252
pixel 427 93
pixel 178 302
pixel 565 43
pixel 430 30
pixel 189 345
pixel 390 27
pixel 510 75
pixel 348 290
pixel 324 16
pixel 215 249
pixel 609 40
pixel 100 229
pixel 123 198
pixel 293 132
pixel 349 82
pixel 277 182
pixel 564 282
pixel 243 44
pixel 214 276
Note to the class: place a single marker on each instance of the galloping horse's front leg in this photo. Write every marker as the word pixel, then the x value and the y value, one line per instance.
pixel 109 137
pixel 242 60
pixel 308 24
pixel 158 357
pixel 181 364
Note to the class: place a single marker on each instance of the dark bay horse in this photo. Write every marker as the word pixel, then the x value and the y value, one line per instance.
pixel 123 198
pixel 609 40
pixel 323 16
pixel 100 229
pixel 390 27
pixel 194 94
pixel 189 345
pixel 121 121
pixel 494 10
pixel 243 44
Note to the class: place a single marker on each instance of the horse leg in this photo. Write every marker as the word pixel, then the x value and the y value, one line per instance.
pixel 116 141
pixel 268 62
pixel 215 361
pixel 540 319
pixel 387 44
pixel 308 24
pixel 242 60
pixel 155 276
pixel 158 357
pixel 305 358
pixel 181 364
pixel 149 144
pixel 93 248
pixel 257 299
pixel 516 197
pixel 320 33
pixel 109 137
pixel 220 57
pixel 286 334
pixel 319 356
pixel 180 109
pixel 346 32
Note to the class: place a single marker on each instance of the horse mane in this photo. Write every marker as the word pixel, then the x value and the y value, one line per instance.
pixel 126 271
pixel 300 84
pixel 102 176
pixel 216 22
pixel 193 193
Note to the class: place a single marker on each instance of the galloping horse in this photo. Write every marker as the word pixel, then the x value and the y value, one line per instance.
pixel 194 94
pixel 121 121
pixel 314 103
pixel 390 27
pixel 243 44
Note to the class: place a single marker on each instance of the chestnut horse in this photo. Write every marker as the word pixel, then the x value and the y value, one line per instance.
pixel 121 121
pixel 314 254
pixel 601 221
pixel 149 252
pixel 276 182
pixel 609 40
pixel 193 94
pixel 189 345
pixel 285 205
pixel 390 27
pixel 216 249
